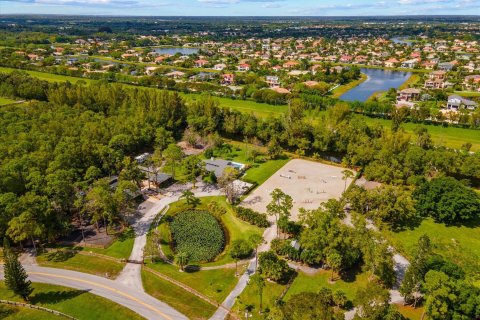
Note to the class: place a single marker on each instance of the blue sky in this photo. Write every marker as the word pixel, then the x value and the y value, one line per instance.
pixel 242 7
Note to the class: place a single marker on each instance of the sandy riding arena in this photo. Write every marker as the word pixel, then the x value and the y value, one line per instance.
pixel 308 183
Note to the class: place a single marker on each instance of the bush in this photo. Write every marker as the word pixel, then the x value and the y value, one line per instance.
pixel 274 268
pixel 252 217
pixel 198 234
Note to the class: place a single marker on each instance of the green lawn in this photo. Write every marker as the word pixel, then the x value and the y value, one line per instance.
pixel 4 101
pixel 236 228
pixel 410 312
pixel 20 313
pixel 260 170
pixel 461 244
pixel 76 303
pixel 50 77
pixel 215 284
pixel 120 248
pixel 250 298
pixel 65 259
pixel 414 79
pixel 445 136
pixel 183 301
pixel 313 283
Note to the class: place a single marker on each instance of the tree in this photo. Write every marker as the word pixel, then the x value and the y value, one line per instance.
pixel 259 282
pixel 173 154
pixel 414 276
pixel 280 205
pixel 372 302
pixel 447 200
pixel 256 240
pixel 334 260
pixel 273 148
pixel 347 174
pixel 190 198
pixel 239 249
pixel 16 279
pixel 272 267
pixel 193 167
pixel 182 259
pixel 441 295
pixel 226 183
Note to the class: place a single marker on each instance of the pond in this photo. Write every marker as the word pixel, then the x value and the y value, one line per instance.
pixel 402 40
pixel 173 50
pixel 377 80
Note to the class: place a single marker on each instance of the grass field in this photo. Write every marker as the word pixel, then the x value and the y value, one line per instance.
pixel 50 77
pixel 183 301
pixel 313 283
pixel 215 284
pixel 444 136
pixel 78 262
pixel 236 228
pixel 4 101
pixel 76 303
pixel 461 244
pixel 410 312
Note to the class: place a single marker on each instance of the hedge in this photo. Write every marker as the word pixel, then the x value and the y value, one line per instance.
pixel 252 217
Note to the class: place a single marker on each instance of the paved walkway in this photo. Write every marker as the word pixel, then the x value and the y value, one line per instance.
pixel 136 300
pixel 221 313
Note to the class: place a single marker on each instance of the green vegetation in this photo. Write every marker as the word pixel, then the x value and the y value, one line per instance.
pixel 414 79
pixel 234 227
pixel 21 313
pixel 4 101
pixel 215 284
pixel 50 77
pixel 76 303
pixel 69 259
pixel 337 92
pixel 349 283
pixel 460 244
pixel 120 248
pixel 198 234
pixel 183 301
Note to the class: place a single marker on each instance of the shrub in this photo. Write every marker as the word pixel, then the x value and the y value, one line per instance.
pixel 252 217
pixel 274 268
pixel 198 234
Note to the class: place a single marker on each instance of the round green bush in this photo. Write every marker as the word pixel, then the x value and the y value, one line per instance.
pixel 197 233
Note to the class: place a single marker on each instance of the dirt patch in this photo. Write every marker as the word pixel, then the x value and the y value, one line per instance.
pixel 308 183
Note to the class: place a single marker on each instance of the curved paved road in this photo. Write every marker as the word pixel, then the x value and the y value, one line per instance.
pixel 138 301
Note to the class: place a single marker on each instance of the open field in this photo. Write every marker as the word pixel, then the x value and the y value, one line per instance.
pixel 313 283
pixel 410 312
pixel 50 77
pixel 76 303
pixel 183 301
pixel 461 244
pixel 65 259
pixel 308 183
pixel 414 78
pixel 451 137
pixel 215 284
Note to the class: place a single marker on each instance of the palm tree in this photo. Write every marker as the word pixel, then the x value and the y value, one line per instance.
pixel 256 240
pixel 190 198
pixel 181 259
pixel 258 280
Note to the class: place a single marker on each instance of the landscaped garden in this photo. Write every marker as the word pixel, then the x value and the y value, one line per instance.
pixel 76 303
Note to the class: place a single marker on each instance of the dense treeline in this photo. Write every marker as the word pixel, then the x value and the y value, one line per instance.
pixel 72 135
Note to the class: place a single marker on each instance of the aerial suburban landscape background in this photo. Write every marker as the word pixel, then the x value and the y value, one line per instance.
pixel 267 160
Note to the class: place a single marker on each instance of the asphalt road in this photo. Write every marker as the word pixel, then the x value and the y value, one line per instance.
pixel 138 301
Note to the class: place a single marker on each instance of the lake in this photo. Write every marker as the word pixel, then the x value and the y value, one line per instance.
pixel 173 50
pixel 402 40
pixel 377 80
